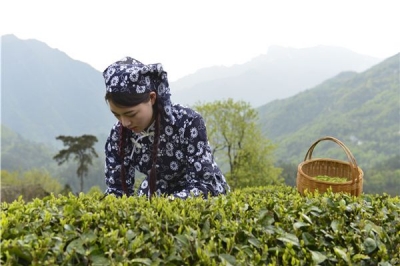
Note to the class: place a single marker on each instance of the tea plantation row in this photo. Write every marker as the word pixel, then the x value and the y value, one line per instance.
pixel 270 225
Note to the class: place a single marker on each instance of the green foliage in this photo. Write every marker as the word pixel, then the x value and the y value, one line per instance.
pixel 32 177
pixel 271 225
pixel 29 185
pixel 238 143
pixel 95 190
pixel 83 151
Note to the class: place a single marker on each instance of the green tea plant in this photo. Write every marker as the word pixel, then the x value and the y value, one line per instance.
pixel 271 225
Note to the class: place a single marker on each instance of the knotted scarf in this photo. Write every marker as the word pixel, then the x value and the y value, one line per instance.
pixel 131 76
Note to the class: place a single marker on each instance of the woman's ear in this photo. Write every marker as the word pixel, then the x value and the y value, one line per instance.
pixel 153 97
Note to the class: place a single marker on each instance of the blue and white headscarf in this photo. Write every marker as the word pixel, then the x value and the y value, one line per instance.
pixel 131 76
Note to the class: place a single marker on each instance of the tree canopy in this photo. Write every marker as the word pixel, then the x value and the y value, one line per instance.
pixel 238 144
pixel 82 148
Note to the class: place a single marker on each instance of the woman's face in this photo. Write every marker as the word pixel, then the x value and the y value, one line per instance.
pixel 137 118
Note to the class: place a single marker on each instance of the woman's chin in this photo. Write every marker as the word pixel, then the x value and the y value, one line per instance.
pixel 136 129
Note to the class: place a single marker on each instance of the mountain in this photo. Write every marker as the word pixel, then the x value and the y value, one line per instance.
pixel 279 74
pixel 45 93
pixel 360 109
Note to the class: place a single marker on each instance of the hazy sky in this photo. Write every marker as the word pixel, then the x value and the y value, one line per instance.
pixel 188 35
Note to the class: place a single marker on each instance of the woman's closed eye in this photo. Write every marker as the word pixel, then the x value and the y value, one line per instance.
pixel 130 115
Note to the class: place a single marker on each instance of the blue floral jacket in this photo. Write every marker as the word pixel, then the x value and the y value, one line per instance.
pixel 185 165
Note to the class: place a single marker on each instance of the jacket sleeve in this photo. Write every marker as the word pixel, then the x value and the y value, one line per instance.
pixel 113 164
pixel 202 171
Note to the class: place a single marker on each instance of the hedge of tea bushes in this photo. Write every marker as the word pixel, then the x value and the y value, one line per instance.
pixel 270 225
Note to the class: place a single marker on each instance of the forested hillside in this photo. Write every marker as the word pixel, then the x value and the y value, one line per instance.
pixel 360 109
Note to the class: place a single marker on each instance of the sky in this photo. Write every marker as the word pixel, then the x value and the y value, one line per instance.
pixel 186 36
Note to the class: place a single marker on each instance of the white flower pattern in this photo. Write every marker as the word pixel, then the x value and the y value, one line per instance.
pixel 185 163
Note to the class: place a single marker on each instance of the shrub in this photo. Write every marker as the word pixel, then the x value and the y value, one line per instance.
pixel 270 225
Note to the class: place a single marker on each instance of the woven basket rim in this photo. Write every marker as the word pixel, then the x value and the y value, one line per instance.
pixel 355 176
pixel 325 159
pixel 300 170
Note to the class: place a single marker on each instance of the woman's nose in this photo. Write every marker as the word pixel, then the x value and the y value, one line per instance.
pixel 125 121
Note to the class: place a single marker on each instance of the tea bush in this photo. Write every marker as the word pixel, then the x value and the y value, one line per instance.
pixel 271 225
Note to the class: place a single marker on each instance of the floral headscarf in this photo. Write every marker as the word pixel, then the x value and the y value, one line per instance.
pixel 131 76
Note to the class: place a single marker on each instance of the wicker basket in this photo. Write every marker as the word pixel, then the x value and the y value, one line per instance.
pixel 311 168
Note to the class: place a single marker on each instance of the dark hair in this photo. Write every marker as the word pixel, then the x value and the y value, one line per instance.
pixel 128 99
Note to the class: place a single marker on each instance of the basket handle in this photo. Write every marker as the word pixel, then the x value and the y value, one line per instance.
pixel 350 156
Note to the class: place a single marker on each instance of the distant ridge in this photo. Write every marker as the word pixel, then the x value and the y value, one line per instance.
pixel 280 73
pixel 45 93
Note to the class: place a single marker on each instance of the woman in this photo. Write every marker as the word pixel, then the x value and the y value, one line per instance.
pixel 165 141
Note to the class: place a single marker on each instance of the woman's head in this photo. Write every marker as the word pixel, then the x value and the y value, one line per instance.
pixel 130 83
pixel 134 111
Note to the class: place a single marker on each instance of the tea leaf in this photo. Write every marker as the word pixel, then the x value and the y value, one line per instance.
pixel 228 259
pixel 77 246
pixel 317 257
pixel 335 226
pixel 255 242
pixel 341 253
pixel 308 239
pixel 290 238
pixel 144 261
pixel 370 245
pixel 307 218
pixel 130 235
pixel 298 225
pixel 99 260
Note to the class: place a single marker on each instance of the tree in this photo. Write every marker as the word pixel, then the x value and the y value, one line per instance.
pixel 83 151
pixel 238 144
